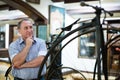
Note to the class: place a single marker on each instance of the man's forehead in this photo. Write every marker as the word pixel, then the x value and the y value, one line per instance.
pixel 26 23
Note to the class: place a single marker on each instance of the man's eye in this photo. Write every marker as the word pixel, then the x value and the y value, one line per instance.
pixel 25 28
pixel 31 27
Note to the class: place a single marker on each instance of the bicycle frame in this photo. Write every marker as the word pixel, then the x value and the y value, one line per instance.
pixel 101 48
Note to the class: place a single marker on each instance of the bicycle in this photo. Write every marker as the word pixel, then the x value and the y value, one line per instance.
pixel 93 26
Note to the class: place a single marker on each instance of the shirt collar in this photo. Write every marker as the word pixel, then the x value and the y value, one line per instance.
pixel 22 41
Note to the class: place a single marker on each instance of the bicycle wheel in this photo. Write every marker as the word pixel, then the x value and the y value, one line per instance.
pixel 57 43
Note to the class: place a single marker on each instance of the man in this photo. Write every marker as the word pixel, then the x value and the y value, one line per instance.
pixel 27 53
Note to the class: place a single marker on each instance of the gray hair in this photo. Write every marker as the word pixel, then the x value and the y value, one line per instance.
pixel 24 19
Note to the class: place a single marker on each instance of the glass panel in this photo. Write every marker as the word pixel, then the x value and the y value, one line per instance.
pixel 87 45
pixel 2 37
pixel 42 32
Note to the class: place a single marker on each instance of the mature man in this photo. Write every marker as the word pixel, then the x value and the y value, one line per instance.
pixel 27 52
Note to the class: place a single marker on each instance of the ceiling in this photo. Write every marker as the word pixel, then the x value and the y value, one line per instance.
pixel 78 11
pixel 71 1
pixel 15 9
pixel 4 6
pixel 74 8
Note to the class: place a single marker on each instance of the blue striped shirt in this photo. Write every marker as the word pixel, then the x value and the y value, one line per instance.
pixel 38 48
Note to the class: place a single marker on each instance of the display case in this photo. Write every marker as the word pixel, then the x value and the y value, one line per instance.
pixel 113 47
pixel 2 40
pixel 115 58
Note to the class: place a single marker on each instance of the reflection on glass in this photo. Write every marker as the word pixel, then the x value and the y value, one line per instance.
pixel 87 45
pixel 2 39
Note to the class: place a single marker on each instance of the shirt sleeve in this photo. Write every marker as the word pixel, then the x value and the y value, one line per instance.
pixel 12 51
pixel 43 49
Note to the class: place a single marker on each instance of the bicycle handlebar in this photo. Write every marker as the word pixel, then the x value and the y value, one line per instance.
pixel 96 8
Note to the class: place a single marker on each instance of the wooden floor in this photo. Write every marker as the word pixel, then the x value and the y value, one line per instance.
pixel 73 76
pixel 3 68
pixel 88 76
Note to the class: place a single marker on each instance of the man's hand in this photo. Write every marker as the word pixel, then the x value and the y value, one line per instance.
pixel 29 41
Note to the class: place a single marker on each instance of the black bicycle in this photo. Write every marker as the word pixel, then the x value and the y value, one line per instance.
pixel 93 26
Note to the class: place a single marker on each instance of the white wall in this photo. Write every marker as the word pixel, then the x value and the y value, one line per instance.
pixel 70 52
pixel 7 36
pixel 43 6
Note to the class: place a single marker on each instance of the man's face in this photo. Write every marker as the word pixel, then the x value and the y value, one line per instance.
pixel 26 29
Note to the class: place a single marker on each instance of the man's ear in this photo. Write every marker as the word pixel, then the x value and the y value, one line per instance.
pixel 19 32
